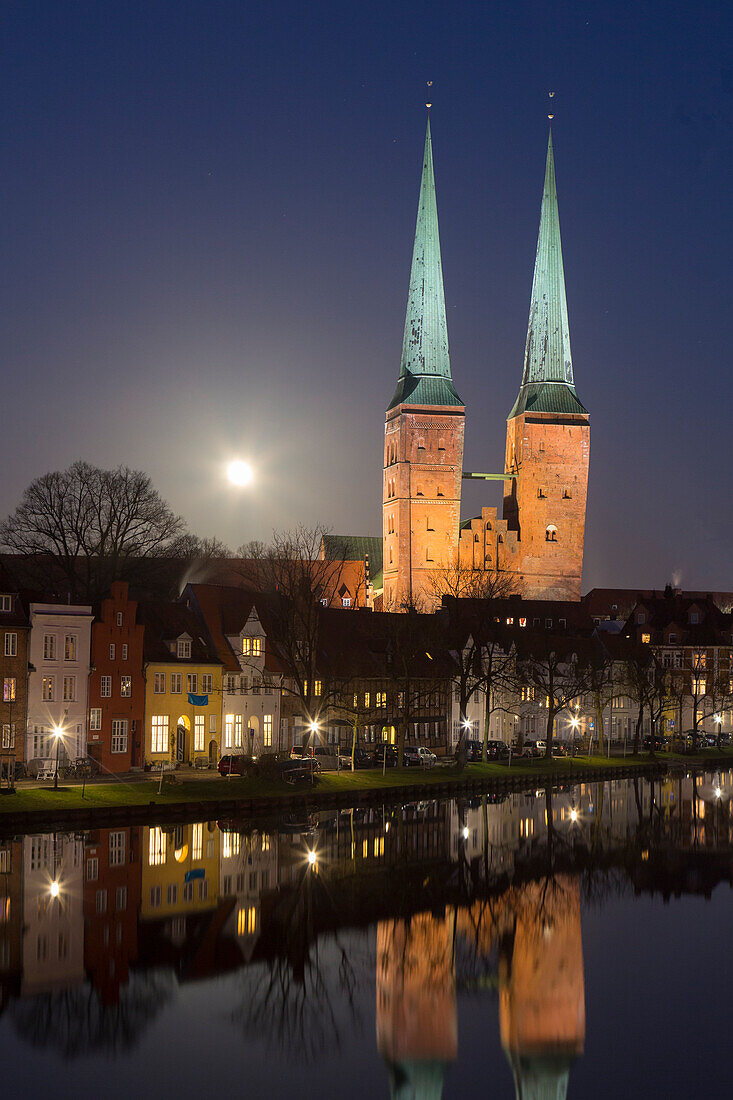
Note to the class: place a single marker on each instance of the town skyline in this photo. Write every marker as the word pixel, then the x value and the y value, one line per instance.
pixel 255 254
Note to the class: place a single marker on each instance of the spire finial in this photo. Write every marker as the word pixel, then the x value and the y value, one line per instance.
pixel 551 116
pixel 429 105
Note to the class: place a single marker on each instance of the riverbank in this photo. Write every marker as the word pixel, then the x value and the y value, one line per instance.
pixel 133 801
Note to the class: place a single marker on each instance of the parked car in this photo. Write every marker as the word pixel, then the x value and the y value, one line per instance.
pixel 324 754
pixel 418 757
pixel 530 749
pixel 362 759
pixel 234 765
pixel 474 752
pixel 382 751
pixel 497 750
pixel 655 742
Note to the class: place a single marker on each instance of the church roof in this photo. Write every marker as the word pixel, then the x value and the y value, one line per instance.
pixel 425 376
pixel 356 548
pixel 547 380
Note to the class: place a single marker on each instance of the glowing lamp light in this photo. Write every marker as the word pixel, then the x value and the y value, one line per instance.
pixel 465 832
pixel 239 473
pixel 466 724
pixel 313 727
pixel 312 858
pixel 58 731
pixel 575 722
pixel 573 815
pixel 718 718
pixel 55 889
pixel 718 792
pixel 386 827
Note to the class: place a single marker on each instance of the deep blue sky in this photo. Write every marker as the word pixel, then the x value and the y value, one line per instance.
pixel 207 212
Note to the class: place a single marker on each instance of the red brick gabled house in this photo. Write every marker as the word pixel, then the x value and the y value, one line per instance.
pixel 117 684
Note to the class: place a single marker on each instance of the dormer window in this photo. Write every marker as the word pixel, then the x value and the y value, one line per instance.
pixel 672 639
pixel 694 617
pixel 640 617
pixel 183 649
pixel 6 603
pixel 252 647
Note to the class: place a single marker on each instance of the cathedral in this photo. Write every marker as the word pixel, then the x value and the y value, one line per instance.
pixel 536 548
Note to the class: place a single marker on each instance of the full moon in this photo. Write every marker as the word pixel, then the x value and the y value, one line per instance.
pixel 239 473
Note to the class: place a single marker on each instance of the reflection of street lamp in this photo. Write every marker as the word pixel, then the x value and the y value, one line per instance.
pixel 54 889
pixel 573 816
pixel 58 733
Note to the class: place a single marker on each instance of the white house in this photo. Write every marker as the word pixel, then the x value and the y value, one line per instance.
pixel 58 683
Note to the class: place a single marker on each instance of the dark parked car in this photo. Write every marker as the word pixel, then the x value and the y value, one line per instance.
pixel 362 759
pixel 381 751
pixel 654 742
pixel 411 757
pixel 234 765
pixel 497 750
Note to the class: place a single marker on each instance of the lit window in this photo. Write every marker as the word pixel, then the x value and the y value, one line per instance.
pixel 317 687
pixel 199 733
pixel 159 733
pixel 157 846
pixel 228 730
pixel 257 647
pixel 551 533
pixel 125 686
pixel 646 638
pixel 9 689
pixel 698 685
pixel 197 840
pixel 47 689
pixel 70 647
pixel 267 731
pixel 246 646
pixel 95 718
pixel 237 731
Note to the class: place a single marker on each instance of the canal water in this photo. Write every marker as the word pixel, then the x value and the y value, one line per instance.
pixel 559 943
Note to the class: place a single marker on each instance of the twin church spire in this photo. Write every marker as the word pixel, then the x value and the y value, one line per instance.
pixel 425 374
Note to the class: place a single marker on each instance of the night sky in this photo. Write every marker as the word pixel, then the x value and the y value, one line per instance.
pixel 207 213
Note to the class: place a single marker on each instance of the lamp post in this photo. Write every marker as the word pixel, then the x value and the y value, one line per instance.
pixel 57 731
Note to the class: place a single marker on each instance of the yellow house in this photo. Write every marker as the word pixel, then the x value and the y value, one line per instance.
pixel 180 870
pixel 183 687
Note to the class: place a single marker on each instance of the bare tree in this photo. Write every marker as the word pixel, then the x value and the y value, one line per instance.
pixel 96 526
pixel 559 668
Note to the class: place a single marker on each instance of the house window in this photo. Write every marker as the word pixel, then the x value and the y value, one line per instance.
pixel 207 683
pixel 11 645
pixel 197 840
pixel 9 689
pixel 112 652
pixel 551 533
pixel 47 688
pixel 698 685
pixel 267 731
pixel 159 733
pixel 171 894
pixel 119 618
pixel 95 718
pixel 381 698
pixel 157 843
pixel 346 601
pixel 105 687
pixel 9 737
pixel 183 649
pixel 672 639
pixel 121 898
pixel 191 682
pixel 6 603
pixel 246 647
pixel 212 723
pixel 156 895
pixel 228 730
pixel 159 683
pixel 694 617
pixel 237 731
pixel 641 618
pixel 176 683
pixel 49 647
pixel 124 651
pixel 92 869
pixel 367 699
pixel 101 901
pixel 646 638
pixel 70 647
pixel 317 687
pixel 119 735
pixel 198 733
pixel 125 686
pixel 116 849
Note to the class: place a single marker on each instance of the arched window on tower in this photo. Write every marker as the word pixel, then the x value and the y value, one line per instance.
pixel 476 538
pixel 551 533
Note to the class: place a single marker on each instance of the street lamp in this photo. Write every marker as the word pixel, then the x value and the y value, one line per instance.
pixel 58 734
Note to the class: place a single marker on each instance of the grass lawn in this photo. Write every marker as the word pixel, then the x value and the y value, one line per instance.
pixel 145 792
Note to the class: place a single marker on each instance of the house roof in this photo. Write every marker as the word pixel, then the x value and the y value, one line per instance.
pixel 225 610
pixel 165 622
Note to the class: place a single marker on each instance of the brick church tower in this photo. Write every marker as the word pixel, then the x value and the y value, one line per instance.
pixel 548 432
pixel 423 435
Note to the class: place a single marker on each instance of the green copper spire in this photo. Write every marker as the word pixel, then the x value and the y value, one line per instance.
pixel 425 377
pixel 547 381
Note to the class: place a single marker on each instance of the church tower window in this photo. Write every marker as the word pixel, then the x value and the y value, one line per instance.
pixel 551 533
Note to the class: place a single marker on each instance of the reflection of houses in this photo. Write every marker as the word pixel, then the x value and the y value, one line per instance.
pixel 541 986
pixel 11 919
pixel 417 1022
pixel 235 623
pixel 111 903
pixel 248 869
pixel 53 916
pixel 183 686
